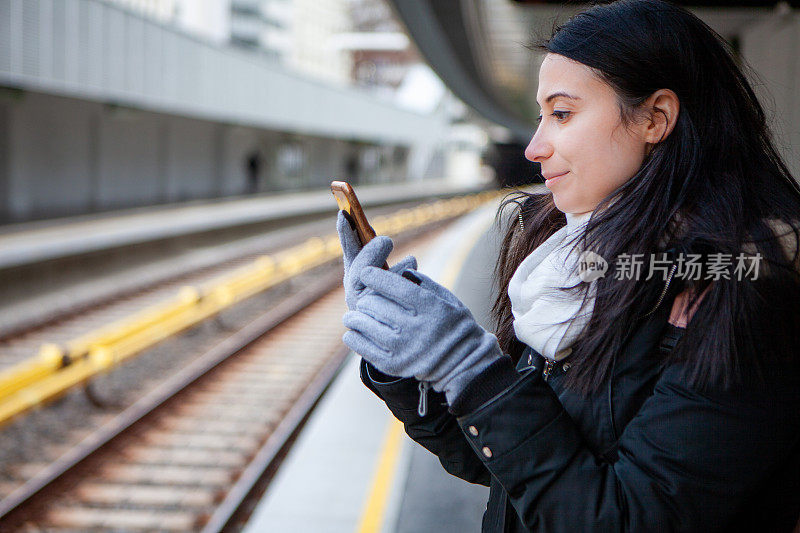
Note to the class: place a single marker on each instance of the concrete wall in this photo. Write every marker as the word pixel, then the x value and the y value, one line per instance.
pixel 63 156
pixel 237 143
pixel 5 160
pixel 771 47
pixel 51 168
pixel 129 161
pixel 193 154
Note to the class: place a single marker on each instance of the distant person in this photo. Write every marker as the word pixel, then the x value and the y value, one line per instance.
pixel 351 168
pixel 608 399
pixel 253 169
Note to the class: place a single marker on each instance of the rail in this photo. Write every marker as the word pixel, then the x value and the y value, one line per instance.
pixel 58 368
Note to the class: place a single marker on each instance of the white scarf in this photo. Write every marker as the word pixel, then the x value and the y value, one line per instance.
pixel 539 306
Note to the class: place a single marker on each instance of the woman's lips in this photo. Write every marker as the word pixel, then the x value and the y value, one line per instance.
pixel 549 181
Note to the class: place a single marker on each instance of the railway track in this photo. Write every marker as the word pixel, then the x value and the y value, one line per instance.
pixel 59 323
pixel 35 440
pixel 186 453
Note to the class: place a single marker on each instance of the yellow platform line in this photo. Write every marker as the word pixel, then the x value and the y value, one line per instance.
pixel 372 519
pixel 373 515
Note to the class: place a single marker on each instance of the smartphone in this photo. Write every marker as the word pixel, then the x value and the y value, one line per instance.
pixel 348 202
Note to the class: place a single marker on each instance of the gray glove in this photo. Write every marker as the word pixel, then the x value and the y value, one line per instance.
pixel 421 331
pixel 355 258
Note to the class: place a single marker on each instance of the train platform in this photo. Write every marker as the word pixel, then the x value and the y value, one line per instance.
pixel 39 241
pixel 353 469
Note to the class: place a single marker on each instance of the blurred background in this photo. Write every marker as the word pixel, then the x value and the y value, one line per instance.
pixel 164 205
pixel 124 103
pixel 108 105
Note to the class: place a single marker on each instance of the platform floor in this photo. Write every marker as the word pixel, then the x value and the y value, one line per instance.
pixel 353 469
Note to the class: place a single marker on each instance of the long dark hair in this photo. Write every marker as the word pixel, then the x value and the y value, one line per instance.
pixel 716 184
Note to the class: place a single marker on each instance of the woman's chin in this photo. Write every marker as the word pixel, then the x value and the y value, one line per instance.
pixel 563 204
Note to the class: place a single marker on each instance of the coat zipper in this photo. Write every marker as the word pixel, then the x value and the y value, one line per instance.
pixel 548 367
pixel 663 293
pixel 422 407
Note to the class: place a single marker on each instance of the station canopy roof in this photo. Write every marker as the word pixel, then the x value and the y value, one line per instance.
pixel 478 47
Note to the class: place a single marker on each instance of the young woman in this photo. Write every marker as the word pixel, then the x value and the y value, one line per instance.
pixel 663 397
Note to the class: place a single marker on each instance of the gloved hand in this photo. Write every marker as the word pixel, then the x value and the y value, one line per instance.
pixel 421 331
pixel 355 258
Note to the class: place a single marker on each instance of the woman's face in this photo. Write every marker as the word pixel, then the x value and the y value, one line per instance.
pixel 581 138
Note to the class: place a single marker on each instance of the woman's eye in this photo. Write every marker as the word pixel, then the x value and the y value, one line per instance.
pixel 560 116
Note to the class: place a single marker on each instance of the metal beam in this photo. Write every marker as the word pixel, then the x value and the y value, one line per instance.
pixel 439 29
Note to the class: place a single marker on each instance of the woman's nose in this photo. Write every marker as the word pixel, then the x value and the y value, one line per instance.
pixel 538 149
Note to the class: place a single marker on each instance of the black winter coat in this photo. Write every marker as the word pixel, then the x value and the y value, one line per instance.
pixel 646 453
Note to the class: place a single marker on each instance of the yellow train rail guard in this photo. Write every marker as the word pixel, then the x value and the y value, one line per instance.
pixel 56 369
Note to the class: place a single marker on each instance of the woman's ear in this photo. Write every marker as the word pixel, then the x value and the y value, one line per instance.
pixel 663 106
